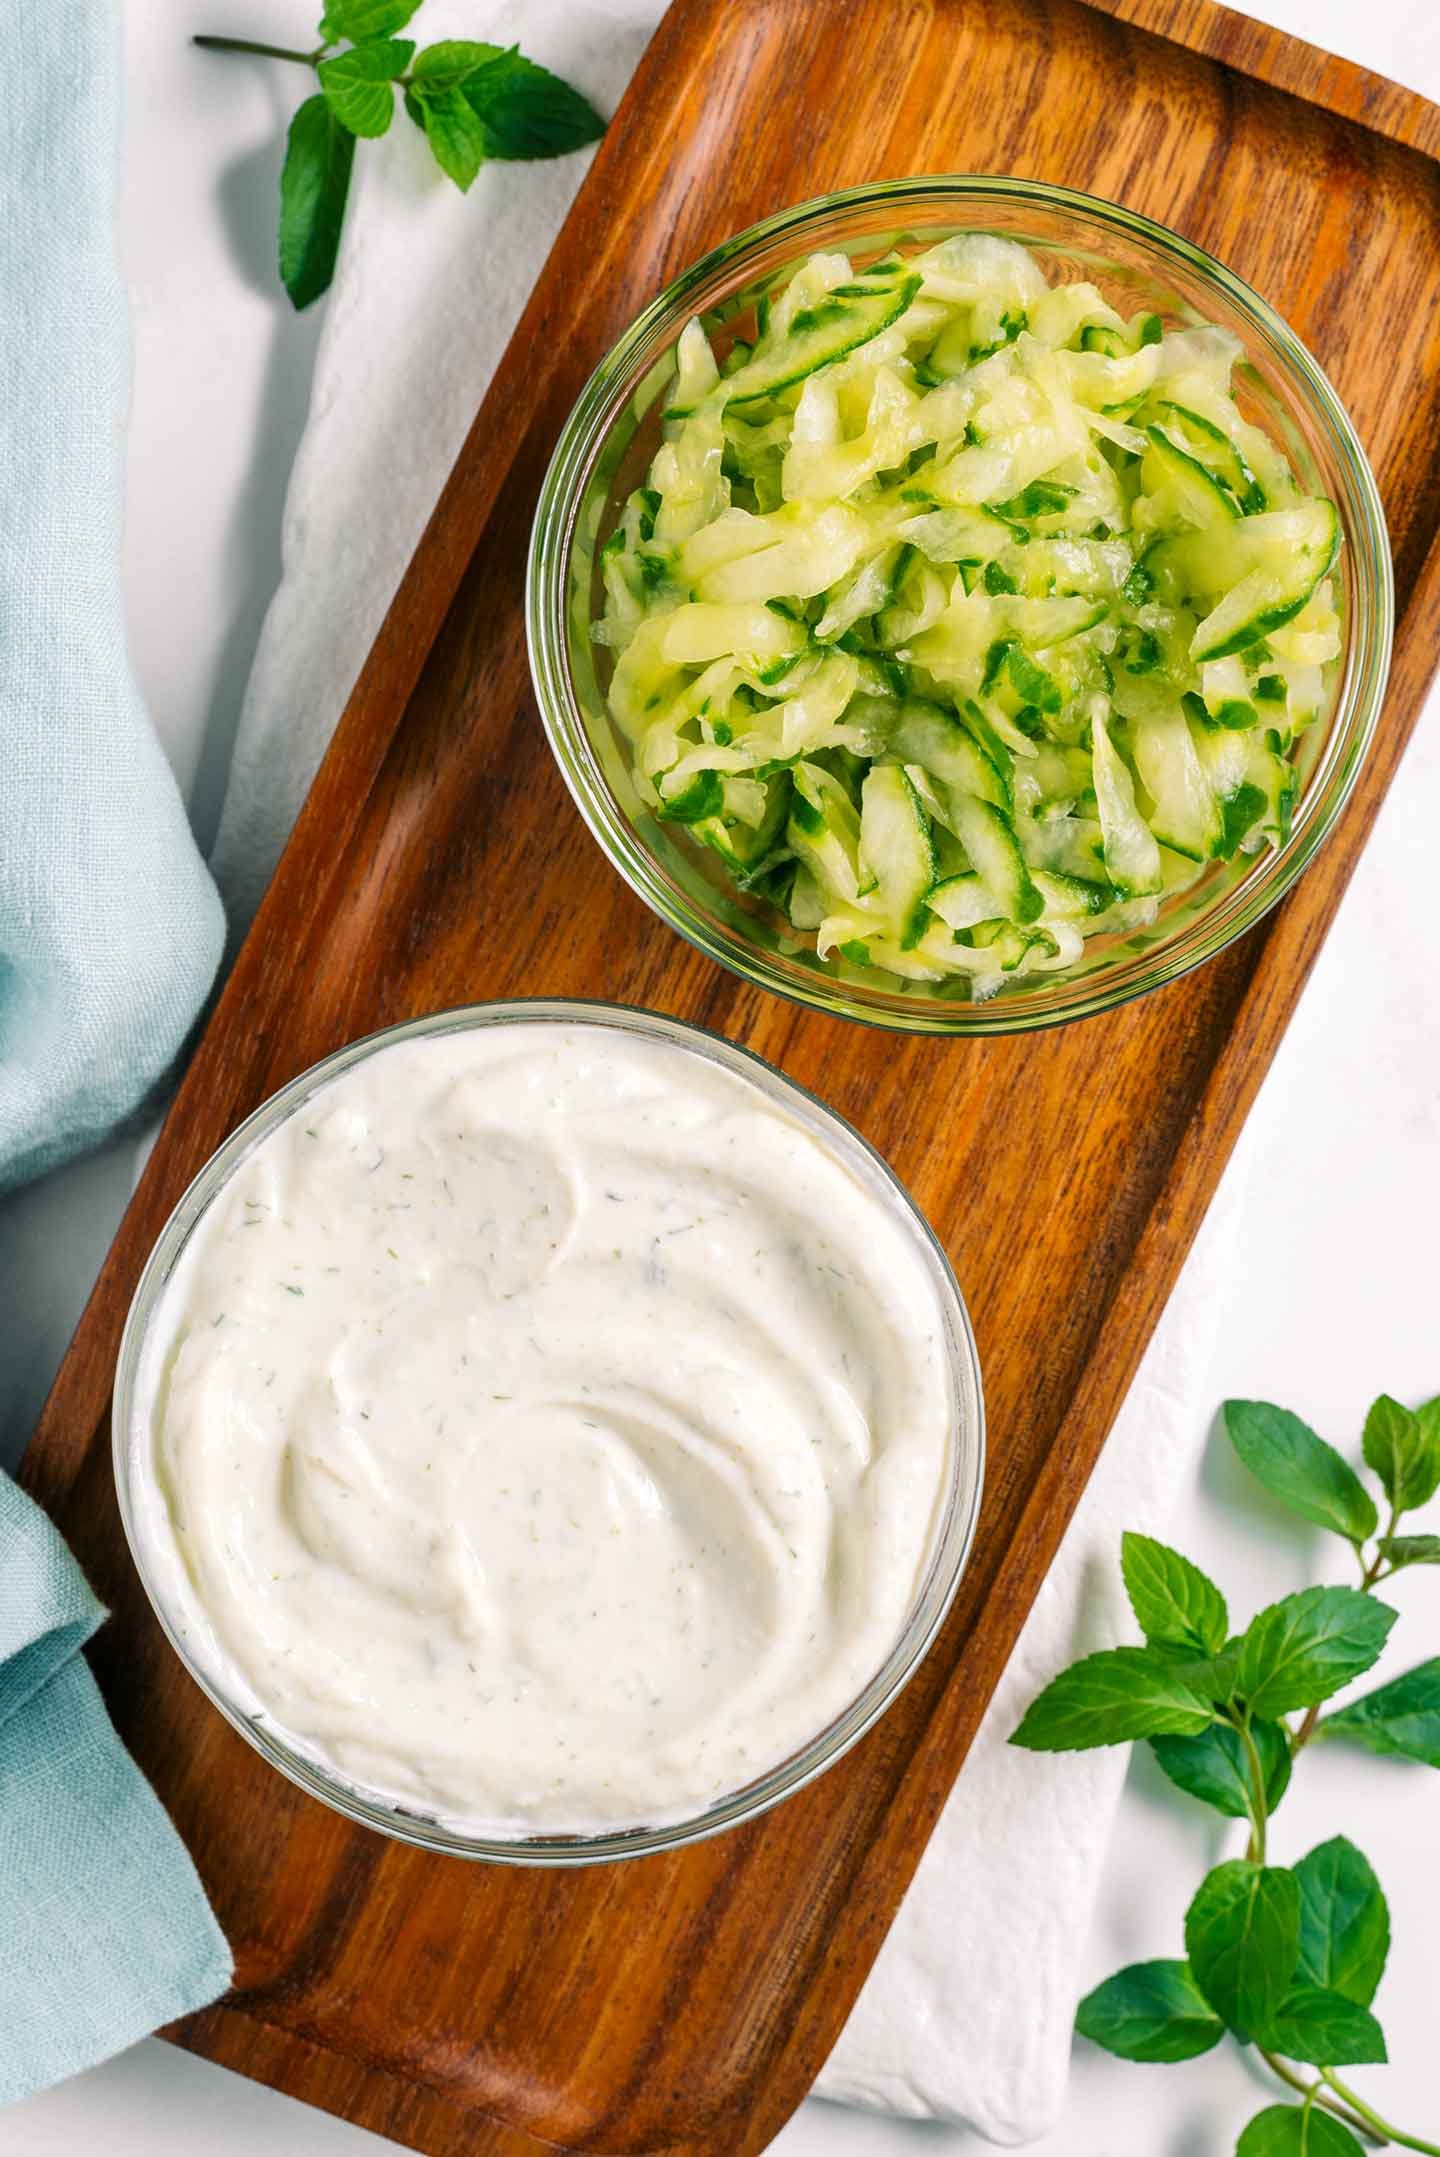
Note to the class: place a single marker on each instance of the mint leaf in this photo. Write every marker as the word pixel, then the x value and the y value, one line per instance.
pixel 1401 1719
pixel 527 112
pixel 314 183
pixel 1324 2029
pixel 1429 1414
pixel 1150 2011
pixel 358 85
pixel 444 66
pixel 1344 1921
pixel 1300 1468
pixel 1173 1601
pixel 1213 1675
pixel 1213 1767
pixel 1299 1651
pixel 1242 1934
pixel 1403 1550
pixel 359 19
pixel 1403 1452
pixel 1109 1698
pixel 451 129
pixel 1292 2131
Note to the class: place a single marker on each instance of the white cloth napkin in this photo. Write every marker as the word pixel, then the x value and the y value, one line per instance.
pixel 968 2011
pixel 967 2014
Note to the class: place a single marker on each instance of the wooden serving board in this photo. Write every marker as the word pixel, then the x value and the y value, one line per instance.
pixel 684 2004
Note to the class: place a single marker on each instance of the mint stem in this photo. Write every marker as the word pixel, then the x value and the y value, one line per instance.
pixel 1259 1808
pixel 1315 2095
pixel 266 52
pixel 1306 1731
pixel 1370 1576
pixel 1376 2126
pixel 1329 2093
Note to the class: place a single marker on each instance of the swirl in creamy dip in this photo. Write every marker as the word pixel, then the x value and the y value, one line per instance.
pixel 545 1429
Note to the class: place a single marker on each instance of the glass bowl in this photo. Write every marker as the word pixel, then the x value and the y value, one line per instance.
pixel 142 1506
pixel 606 447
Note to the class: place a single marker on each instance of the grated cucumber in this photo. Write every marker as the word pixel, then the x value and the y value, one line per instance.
pixel 961 617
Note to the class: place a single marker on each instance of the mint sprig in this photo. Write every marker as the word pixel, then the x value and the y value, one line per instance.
pixel 472 101
pixel 1285 1958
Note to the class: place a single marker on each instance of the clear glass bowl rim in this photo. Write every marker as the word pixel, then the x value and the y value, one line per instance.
pixel 1366 656
pixel 955 1532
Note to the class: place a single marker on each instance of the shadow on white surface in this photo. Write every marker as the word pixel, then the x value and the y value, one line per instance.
pixel 246 196
pixel 156 2101
pixel 53 1237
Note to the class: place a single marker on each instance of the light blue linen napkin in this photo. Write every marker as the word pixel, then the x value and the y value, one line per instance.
pixel 110 934
pixel 110 928
pixel 105 1932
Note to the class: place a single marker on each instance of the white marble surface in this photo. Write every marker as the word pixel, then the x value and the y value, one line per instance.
pixel 1332 1298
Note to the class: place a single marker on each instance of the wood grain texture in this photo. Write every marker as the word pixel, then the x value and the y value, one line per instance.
pixel 1287 63
pixel 683 2004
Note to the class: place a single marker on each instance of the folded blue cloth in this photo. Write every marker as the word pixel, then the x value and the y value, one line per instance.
pixel 110 928
pixel 105 1932
pixel 110 934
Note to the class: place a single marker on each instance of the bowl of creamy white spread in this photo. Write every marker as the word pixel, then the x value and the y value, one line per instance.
pixel 548 1433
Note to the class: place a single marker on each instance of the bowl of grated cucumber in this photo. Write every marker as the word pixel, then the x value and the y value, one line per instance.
pixel 959 604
